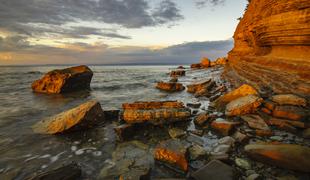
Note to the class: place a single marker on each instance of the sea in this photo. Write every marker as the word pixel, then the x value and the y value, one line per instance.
pixel 22 152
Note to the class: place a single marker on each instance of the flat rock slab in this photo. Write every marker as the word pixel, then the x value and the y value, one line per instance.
pixel 70 171
pixel 215 170
pixel 288 156
pixel 224 127
pixel 170 86
pixel 244 105
pixel 64 80
pixel 289 99
pixel 84 116
pixel 197 85
pixel 242 91
pixel 173 152
pixel 155 112
pixel 255 122
pixel 290 112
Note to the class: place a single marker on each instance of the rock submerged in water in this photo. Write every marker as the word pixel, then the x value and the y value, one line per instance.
pixel 160 112
pixel 84 116
pixel 64 80
pixel 288 156
pixel 170 86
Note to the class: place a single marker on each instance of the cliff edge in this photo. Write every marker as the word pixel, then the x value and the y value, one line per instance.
pixel 272 47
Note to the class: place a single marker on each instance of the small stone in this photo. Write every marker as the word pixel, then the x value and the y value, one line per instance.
pixel 176 132
pixel 263 133
pixel 221 149
pixel 240 137
pixel 193 105
pixel 227 140
pixel 196 152
pixel 224 127
pixel 253 177
pixel 197 132
pixel 243 163
pixel 250 172
pixel 201 119
pixel 276 138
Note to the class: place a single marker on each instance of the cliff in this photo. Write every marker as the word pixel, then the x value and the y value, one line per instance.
pixel 272 47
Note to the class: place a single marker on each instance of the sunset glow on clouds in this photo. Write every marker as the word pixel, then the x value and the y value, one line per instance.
pixel 115 31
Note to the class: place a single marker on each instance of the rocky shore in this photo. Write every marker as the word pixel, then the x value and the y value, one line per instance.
pixel 242 133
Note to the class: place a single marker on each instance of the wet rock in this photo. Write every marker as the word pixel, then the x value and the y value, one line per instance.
pixel 197 132
pixel 64 80
pixel 269 105
pixel 160 112
pixel 265 110
pixel 176 132
pixel 193 105
pixel 174 80
pixel 70 171
pixel 284 122
pixel 290 112
pixel 223 146
pixel 215 170
pixel 181 67
pixel 205 90
pixel 197 152
pixel 173 152
pixel 243 163
pixel 111 114
pixel 306 133
pixel 263 133
pixel 240 137
pixel 289 156
pixel 224 127
pixel 170 86
pixel 244 105
pixel 196 66
pixel 276 138
pixel 255 122
pixel 130 160
pixel 84 116
pixel 242 91
pixel 124 131
pixel 177 73
pixel 253 177
pixel 198 85
pixel 289 99
pixel 201 119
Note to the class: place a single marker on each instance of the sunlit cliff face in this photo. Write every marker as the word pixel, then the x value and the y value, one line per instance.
pixel 115 31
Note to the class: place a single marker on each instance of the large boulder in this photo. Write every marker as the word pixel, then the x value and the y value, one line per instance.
pixel 289 99
pixel 243 90
pixel 84 116
pixel 155 112
pixel 205 62
pixel 170 86
pixel 244 105
pixel 289 156
pixel 64 80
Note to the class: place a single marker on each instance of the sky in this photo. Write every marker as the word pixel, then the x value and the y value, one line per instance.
pixel 116 31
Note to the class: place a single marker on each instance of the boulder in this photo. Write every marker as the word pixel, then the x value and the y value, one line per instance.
pixel 242 91
pixel 288 156
pixel 198 85
pixel 172 152
pixel 159 112
pixel 224 127
pixel 181 67
pixel 177 73
pixel 290 112
pixel 196 66
pixel 205 62
pixel 70 171
pixel 84 116
pixel 255 122
pixel 215 170
pixel 170 86
pixel 244 105
pixel 64 80
pixel 289 99
pixel 201 119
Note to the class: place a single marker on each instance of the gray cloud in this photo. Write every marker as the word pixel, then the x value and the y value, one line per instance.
pixel 49 17
pixel 203 3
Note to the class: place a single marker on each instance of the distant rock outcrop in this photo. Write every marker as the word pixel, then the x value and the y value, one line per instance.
pixel 64 80
pixel 272 47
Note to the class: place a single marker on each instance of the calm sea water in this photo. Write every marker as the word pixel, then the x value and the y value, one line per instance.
pixel 22 152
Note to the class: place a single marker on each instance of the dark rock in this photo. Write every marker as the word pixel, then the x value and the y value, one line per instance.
pixel 201 119
pixel 215 170
pixel 177 73
pixel 111 114
pixel 124 131
pixel 193 105
pixel 65 80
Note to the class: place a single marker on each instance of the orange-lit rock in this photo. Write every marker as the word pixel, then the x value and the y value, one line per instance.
pixel 271 47
pixel 244 105
pixel 224 127
pixel 288 156
pixel 290 112
pixel 205 62
pixel 201 119
pixel 170 86
pixel 243 90
pixel 289 99
pixel 255 122
pixel 84 116
pixel 155 112
pixel 173 152
pixel 269 105
pixel 265 110
pixel 198 85
pixel 263 133
pixel 65 80
pixel 177 73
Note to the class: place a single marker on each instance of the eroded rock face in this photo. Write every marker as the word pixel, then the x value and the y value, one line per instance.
pixel 84 116
pixel 272 47
pixel 289 156
pixel 155 112
pixel 64 80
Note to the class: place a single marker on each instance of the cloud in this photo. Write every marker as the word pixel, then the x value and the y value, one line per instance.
pixel 203 3
pixel 51 17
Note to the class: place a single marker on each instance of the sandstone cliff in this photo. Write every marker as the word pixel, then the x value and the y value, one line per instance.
pixel 272 47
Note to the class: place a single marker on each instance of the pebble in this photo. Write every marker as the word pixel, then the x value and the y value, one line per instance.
pixel 276 138
pixel 243 163
pixel 79 152
pixel 253 177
